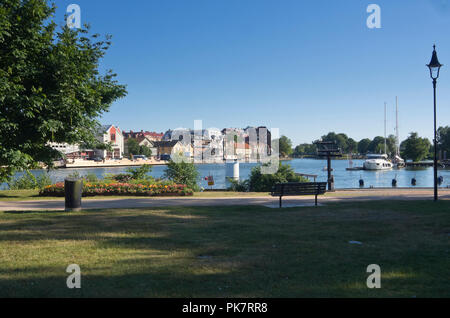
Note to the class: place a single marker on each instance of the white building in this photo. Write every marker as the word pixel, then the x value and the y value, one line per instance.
pixel 111 134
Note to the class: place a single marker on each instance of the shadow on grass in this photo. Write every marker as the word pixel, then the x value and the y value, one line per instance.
pixel 240 251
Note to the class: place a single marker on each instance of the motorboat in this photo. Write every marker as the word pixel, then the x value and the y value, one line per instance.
pixel 377 162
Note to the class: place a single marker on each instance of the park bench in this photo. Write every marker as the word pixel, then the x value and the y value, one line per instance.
pixel 298 188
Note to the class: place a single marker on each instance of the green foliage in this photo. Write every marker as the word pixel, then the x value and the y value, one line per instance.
pixel 90 177
pixel 305 149
pixel 74 175
pixel 51 88
pixel 285 146
pixel 443 139
pixel 135 149
pixel 259 182
pixel 415 147
pixel 363 146
pixel 182 173
pixel 238 185
pixel 121 177
pixel 140 173
pixel 28 181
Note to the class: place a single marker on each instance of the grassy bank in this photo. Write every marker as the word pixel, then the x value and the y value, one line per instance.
pixel 230 252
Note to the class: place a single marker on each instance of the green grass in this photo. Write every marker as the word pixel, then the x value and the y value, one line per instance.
pixel 26 195
pixel 230 251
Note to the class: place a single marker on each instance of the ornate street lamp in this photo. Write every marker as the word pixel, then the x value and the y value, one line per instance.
pixel 435 68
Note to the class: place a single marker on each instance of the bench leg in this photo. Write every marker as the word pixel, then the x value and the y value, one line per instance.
pixel 316 199
pixel 280 201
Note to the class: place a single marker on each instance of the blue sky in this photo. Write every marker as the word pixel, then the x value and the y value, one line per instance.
pixel 305 67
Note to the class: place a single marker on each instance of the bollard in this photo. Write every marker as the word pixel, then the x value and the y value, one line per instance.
pixel 331 184
pixel 73 189
pixel 361 183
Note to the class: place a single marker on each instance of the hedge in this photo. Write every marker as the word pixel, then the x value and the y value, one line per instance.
pixel 127 189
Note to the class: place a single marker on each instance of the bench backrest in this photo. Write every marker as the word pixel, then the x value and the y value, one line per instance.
pixel 299 188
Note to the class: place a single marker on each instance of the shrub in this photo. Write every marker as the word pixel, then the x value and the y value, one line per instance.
pixel 121 177
pixel 75 175
pixel 101 188
pixel 90 177
pixel 259 182
pixel 28 181
pixel 182 173
pixel 140 173
pixel 238 185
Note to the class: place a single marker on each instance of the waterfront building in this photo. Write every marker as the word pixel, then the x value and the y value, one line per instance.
pixel 110 134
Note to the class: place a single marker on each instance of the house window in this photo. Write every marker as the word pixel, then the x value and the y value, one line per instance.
pixel 113 137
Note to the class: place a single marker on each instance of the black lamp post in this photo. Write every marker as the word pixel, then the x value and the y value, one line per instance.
pixel 435 68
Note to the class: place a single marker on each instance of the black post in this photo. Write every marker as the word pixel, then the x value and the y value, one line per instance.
pixel 435 166
pixel 329 171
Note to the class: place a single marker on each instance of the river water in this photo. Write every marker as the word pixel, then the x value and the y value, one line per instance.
pixel 343 178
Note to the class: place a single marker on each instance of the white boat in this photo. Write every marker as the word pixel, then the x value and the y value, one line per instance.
pixel 377 162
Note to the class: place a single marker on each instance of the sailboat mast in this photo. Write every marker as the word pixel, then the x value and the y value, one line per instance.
pixel 385 145
pixel 396 127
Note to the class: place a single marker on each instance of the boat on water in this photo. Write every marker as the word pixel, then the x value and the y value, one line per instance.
pixel 398 162
pixel 377 162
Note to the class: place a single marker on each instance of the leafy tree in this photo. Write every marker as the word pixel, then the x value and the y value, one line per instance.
pixel 136 149
pixel 415 147
pixel 363 145
pixel 443 139
pixel 182 173
pixel 285 145
pixel 133 146
pixel 51 89
pixel 305 149
pixel 342 141
pixel 376 145
pixel 259 182
pixel 352 145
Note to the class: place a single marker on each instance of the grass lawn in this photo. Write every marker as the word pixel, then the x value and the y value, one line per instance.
pixel 230 251
pixel 25 195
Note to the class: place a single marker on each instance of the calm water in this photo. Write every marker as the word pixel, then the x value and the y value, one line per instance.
pixel 342 177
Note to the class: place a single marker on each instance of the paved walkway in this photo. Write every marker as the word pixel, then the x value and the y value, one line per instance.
pixel 339 196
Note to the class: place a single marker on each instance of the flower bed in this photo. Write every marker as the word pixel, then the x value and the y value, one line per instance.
pixel 126 189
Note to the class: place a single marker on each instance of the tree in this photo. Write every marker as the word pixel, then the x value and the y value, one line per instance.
pixel 259 182
pixel 135 149
pixel 51 89
pixel 285 145
pixel 342 141
pixel 363 145
pixel 443 139
pixel 182 173
pixel 415 148
pixel 352 145
pixel 133 146
pixel 305 149
pixel 376 145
